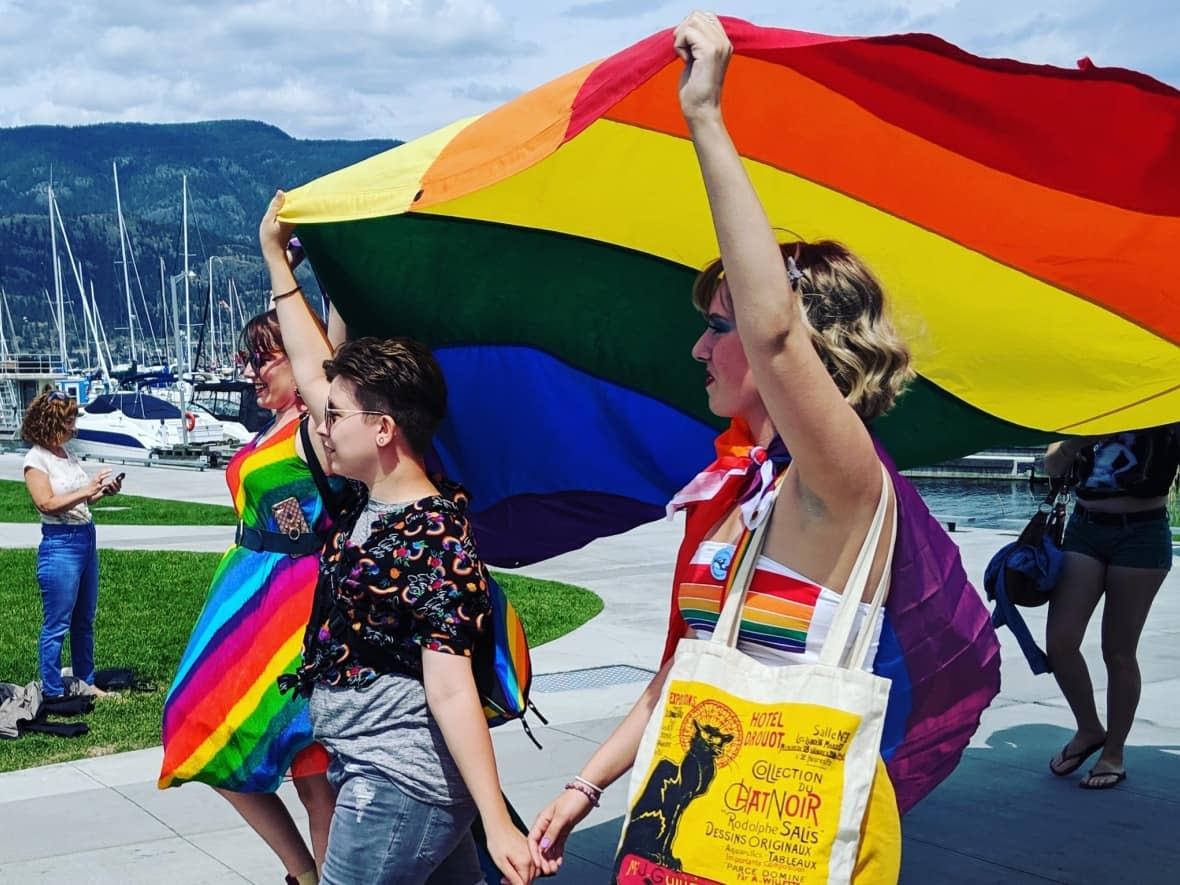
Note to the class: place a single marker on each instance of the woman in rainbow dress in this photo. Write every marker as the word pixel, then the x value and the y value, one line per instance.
pixel 225 723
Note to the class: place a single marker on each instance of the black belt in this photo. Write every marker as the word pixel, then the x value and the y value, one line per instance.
pixel 1096 518
pixel 295 544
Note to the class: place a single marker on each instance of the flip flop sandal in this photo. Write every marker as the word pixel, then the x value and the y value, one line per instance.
pixel 1107 779
pixel 1071 763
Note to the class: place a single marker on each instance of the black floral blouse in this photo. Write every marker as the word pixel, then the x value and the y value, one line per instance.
pixel 416 583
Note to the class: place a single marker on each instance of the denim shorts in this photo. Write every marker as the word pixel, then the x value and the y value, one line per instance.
pixel 1146 544
pixel 382 836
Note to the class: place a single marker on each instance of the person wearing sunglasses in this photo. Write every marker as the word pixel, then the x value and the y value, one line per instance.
pixel 218 728
pixel 401 602
pixel 67 558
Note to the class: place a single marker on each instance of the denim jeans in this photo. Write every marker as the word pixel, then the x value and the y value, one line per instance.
pixel 67 571
pixel 381 836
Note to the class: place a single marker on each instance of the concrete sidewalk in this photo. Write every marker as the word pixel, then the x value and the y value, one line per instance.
pixel 1000 818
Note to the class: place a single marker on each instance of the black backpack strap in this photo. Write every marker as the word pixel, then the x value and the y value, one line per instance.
pixel 332 502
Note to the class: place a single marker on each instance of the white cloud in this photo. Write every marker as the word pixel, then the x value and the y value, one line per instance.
pixel 400 68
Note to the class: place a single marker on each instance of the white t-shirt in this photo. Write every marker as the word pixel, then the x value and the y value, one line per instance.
pixel 65 475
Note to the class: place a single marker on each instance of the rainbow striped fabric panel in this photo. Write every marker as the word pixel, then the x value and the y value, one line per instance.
pixel 505 693
pixel 225 723
pixel 1023 219
pixel 778 609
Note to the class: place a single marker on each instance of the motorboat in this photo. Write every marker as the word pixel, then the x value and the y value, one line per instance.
pixel 140 425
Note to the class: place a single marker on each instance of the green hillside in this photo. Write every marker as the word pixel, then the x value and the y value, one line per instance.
pixel 233 167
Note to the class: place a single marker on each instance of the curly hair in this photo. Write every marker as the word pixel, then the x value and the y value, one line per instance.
pixel 399 377
pixel 844 313
pixel 46 419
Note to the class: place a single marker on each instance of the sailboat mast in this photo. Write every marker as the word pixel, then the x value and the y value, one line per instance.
pixel 188 323
pixel 58 289
pixel 102 342
pixel 93 328
pixel 3 339
pixel 123 248
pixel 164 314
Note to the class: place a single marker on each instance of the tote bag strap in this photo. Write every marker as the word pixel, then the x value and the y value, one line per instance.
pixel 741 572
pixel 833 652
pixel 859 655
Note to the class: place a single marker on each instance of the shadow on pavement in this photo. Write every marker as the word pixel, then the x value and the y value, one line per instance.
pixel 1003 817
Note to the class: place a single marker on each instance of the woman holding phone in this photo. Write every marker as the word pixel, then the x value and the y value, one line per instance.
pixel 67 558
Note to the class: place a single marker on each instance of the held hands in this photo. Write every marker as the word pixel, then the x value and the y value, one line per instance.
pixel 509 850
pixel 553 826
pixel 702 44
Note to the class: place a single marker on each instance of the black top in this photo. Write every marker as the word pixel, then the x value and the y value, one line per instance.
pixel 1134 464
pixel 416 582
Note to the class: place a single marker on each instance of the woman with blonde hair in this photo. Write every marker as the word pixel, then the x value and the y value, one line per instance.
pixel 67 558
pixel 799 351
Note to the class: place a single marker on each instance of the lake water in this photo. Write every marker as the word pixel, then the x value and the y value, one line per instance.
pixel 993 504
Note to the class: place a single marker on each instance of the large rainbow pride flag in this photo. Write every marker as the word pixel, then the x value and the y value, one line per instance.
pixel 1023 218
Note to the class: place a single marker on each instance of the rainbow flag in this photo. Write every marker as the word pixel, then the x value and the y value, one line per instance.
pixel 1023 219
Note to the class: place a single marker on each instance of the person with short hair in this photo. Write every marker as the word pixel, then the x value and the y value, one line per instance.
pixel 401 602
pixel 67 558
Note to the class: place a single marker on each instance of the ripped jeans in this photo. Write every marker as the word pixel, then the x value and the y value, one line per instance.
pixel 382 836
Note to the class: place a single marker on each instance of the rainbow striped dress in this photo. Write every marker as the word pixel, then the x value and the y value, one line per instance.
pixel 225 723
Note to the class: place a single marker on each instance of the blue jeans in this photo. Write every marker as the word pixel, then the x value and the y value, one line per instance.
pixel 67 571
pixel 381 836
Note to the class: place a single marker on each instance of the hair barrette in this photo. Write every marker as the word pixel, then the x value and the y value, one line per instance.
pixel 793 272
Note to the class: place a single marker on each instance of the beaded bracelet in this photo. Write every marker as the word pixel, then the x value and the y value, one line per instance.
pixel 274 297
pixel 593 786
pixel 584 790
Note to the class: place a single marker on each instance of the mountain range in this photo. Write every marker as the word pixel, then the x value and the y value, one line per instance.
pixel 232 168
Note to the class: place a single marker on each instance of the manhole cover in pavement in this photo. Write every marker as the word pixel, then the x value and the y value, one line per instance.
pixel 591 677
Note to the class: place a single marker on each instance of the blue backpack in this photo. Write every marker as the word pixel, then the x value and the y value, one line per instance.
pixel 1025 572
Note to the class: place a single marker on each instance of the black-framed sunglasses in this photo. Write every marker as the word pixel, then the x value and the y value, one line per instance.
pixel 56 396
pixel 331 416
pixel 257 359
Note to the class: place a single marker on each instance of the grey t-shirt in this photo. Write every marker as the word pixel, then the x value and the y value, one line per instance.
pixel 387 724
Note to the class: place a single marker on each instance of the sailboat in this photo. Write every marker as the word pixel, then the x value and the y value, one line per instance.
pixel 133 425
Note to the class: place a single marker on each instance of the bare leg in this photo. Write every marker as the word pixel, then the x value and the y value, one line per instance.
pixel 318 797
pixel 1070 608
pixel 1129 595
pixel 269 818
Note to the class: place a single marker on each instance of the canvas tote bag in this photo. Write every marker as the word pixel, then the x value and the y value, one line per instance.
pixel 755 773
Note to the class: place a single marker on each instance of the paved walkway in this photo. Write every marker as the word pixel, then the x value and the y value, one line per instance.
pixel 1000 818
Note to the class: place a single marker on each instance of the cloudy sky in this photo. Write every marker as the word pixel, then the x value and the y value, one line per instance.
pixel 401 68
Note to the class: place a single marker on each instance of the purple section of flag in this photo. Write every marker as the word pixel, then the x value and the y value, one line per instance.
pixel 950 647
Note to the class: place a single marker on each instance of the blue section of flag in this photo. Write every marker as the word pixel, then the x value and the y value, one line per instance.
pixel 553 428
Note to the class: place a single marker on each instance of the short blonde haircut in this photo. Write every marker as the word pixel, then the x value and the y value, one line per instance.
pixel 45 421
pixel 844 310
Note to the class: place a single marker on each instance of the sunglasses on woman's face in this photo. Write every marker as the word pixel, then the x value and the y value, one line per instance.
pixel 257 359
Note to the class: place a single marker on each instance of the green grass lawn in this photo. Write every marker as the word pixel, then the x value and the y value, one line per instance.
pixel 148 602
pixel 17 506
